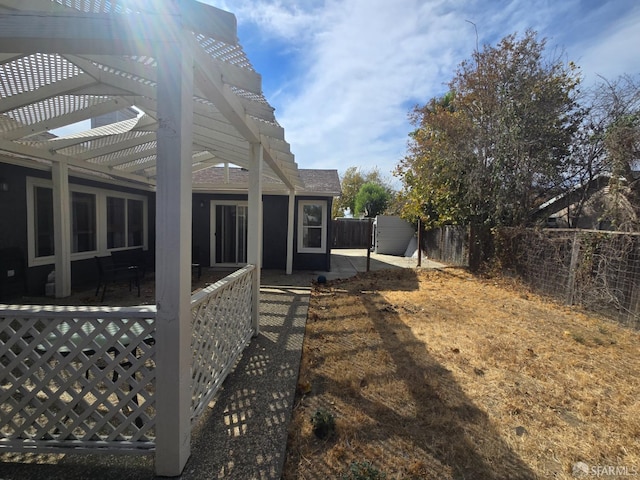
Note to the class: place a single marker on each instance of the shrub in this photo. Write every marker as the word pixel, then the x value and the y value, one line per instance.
pixel 323 423
pixel 363 471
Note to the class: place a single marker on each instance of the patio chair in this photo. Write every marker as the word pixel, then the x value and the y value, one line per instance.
pixel 135 257
pixel 110 273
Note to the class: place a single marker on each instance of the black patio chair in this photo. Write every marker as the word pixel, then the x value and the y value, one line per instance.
pixel 110 273
pixel 135 257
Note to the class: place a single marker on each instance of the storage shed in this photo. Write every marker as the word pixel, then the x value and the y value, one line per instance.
pixel 391 235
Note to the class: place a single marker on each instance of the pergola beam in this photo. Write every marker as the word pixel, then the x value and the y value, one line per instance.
pixel 106 106
pixel 23 150
pixel 62 87
pixel 110 34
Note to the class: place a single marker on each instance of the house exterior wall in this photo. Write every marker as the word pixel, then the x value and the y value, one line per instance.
pixel 274 239
pixel 14 217
pixel 13 222
pixel 313 261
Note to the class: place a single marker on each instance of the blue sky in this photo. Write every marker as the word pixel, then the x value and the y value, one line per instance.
pixel 343 74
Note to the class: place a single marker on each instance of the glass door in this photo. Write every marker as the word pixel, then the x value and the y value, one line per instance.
pixel 229 242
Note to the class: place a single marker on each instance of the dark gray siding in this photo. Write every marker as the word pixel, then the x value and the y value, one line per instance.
pixel 13 224
pixel 275 210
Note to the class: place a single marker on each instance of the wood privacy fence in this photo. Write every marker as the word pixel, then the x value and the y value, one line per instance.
pixel 448 244
pixel 351 233
pixel 599 270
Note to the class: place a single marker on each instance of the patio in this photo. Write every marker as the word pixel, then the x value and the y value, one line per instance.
pixel 89 377
pixel 242 433
pixel 85 378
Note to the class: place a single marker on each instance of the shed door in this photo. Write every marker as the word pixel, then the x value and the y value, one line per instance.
pixel 229 239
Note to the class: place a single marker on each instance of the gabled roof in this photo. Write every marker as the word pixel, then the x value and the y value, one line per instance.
pixel 564 199
pixel 321 181
pixel 221 179
pixel 64 61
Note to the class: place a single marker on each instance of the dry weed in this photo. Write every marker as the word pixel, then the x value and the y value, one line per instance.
pixel 438 374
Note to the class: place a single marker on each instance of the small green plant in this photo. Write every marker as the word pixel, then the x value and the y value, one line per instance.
pixel 363 471
pixel 323 423
pixel 579 338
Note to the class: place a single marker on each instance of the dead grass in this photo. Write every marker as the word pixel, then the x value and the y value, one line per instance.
pixel 438 374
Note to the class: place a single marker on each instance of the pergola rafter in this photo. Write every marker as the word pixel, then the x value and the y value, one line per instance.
pixel 84 81
pixel 200 103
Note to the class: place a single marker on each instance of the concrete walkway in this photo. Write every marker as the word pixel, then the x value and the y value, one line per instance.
pixel 244 434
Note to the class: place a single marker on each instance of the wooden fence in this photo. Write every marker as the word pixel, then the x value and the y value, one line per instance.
pixel 351 233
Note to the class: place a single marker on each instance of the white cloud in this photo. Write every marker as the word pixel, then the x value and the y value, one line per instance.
pixel 611 49
pixel 368 62
pixel 360 65
pixel 284 20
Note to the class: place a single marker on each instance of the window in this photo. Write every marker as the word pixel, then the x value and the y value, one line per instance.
pixel 312 226
pixel 83 221
pixel 125 222
pixel 101 220
pixel 43 221
pixel 135 223
pixel 116 221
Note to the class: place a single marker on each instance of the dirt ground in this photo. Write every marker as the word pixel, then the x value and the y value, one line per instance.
pixel 439 374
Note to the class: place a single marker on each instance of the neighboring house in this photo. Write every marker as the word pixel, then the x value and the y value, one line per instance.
pixel 592 206
pixel 110 215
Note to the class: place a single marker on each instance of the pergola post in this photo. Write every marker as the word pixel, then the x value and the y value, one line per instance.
pixel 173 256
pixel 61 228
pixel 290 223
pixel 254 235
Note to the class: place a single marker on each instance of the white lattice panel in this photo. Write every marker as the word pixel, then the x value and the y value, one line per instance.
pixel 31 72
pixel 77 379
pixel 54 107
pixel 221 330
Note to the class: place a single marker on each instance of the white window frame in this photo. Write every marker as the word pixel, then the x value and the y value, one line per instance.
pixel 32 183
pixel 101 220
pixel 125 197
pixel 323 238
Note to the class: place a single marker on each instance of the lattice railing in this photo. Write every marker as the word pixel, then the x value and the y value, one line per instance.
pixel 220 331
pixel 84 377
pixel 81 377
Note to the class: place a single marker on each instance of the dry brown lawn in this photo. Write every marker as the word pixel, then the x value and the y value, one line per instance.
pixel 439 374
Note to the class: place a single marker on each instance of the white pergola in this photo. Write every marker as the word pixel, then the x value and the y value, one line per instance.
pixel 201 103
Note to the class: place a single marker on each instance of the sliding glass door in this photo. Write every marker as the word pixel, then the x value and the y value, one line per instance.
pixel 229 239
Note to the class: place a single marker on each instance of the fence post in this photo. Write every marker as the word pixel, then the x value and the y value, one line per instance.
pixel 419 243
pixel 571 284
pixel 369 232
